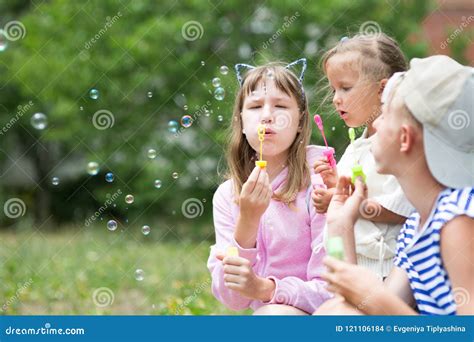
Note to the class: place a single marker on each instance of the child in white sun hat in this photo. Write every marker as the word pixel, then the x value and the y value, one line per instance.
pixel 425 138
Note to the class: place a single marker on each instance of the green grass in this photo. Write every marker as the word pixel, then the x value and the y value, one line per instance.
pixel 58 272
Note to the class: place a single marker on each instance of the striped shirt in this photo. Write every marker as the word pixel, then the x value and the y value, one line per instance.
pixel 419 252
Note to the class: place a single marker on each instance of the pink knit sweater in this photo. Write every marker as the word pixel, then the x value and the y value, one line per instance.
pixel 289 247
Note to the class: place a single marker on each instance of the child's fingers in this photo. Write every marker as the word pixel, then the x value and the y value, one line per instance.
pixel 360 187
pixel 322 168
pixel 232 278
pixel 333 264
pixel 234 260
pixel 343 185
pixel 319 192
pixel 220 256
pixel 260 188
pixel 231 269
pixel 251 182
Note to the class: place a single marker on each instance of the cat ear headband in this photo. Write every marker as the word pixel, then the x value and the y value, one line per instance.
pixel 241 67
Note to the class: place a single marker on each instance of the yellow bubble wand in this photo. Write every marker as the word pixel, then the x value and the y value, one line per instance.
pixel 261 136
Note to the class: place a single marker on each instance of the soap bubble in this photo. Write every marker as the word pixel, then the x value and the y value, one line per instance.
pixel 55 181
pixel 157 183
pixel 151 153
pixel 129 199
pixel 3 41
pixel 216 82
pixel 185 107
pixel 220 118
pixel 219 93
pixel 270 74
pixel 173 126
pixel 92 168
pixel 333 128
pixel 175 175
pixel 203 63
pixel 94 94
pixel 139 274
pixel 112 225
pixel 39 121
pixel 149 94
pixel 224 70
pixel 146 230
pixel 81 108
pixel 186 121
pixel 109 177
pixel 207 113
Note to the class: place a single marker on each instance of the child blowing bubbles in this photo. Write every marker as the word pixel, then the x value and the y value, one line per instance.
pixel 265 213
pixel 426 126
pixel 357 69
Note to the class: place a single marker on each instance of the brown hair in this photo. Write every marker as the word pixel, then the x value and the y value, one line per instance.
pixel 241 156
pixel 380 55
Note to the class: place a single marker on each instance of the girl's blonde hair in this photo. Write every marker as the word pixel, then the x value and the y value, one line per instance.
pixel 379 55
pixel 241 156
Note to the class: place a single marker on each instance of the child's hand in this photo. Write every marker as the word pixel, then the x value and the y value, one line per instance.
pixel 358 285
pixel 239 276
pixel 328 174
pixel 321 198
pixel 344 208
pixel 255 195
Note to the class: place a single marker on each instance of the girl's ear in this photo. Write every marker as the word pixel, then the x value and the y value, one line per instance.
pixel 383 83
pixel 406 138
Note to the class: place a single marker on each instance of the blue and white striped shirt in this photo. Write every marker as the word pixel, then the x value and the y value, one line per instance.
pixel 419 252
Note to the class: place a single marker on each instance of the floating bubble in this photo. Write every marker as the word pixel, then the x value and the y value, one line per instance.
pixel 219 93
pixel 92 168
pixel 151 153
pixel 185 107
pixel 220 118
pixel 203 63
pixel 173 126
pixel 112 225
pixel 333 128
pixel 139 274
pixel 109 177
pixel 175 175
pixel 149 94
pixel 207 113
pixel 55 181
pixel 186 121
pixel 216 82
pixel 146 230
pixel 39 121
pixel 270 74
pixel 129 199
pixel 81 108
pixel 157 183
pixel 224 70
pixel 3 41
pixel 94 94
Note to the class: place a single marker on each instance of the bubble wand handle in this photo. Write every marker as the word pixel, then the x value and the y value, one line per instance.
pixel 261 137
pixel 329 153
